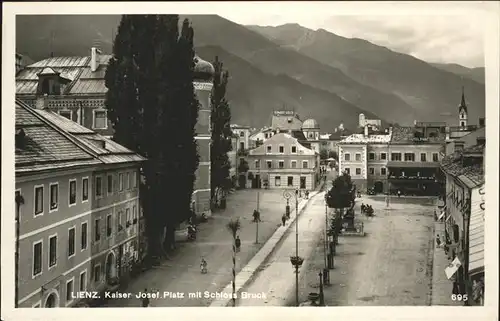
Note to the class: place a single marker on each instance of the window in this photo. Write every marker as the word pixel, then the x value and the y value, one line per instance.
pixel 97 273
pixel 84 236
pixel 371 170
pixel 347 170
pixel 282 149
pixel 83 281
pixel 38 200
pixel 396 157
pixel 358 157
pixel 37 258
pixel 127 180
pixel 98 186
pixel 97 230
pixel 54 196
pixel 72 192
pixel 294 149
pixel 120 221
pixel 277 181
pixel 269 164
pixel 134 214
pixel 435 157
pixel 134 179
pixel 110 184
pixel 383 156
pixel 269 148
pixel 305 164
pixel 127 217
pixel 109 226
pixel 69 291
pixel 371 156
pixel 52 250
pixel 66 114
pixel 409 157
pixel 71 242
pixel 358 171
pixel 423 157
pixel 281 164
pixel 100 119
pixel 383 171
pixel 290 180
pixel 242 134
pixel 257 164
pixel 293 164
pixel 120 181
pixel 347 157
pixel 85 189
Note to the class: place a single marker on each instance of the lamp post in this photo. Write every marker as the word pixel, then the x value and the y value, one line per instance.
pixel 321 293
pixel 296 260
pixel 258 206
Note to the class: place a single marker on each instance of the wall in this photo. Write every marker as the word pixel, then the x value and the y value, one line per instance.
pixel 377 163
pixel 55 222
pixel 417 149
pixel 353 164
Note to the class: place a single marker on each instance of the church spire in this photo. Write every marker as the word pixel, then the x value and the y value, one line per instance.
pixel 462 103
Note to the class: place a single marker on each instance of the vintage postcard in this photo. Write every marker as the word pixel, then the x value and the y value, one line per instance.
pixel 325 155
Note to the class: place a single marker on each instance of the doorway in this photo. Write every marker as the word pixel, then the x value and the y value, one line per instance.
pixel 110 266
pixel 51 301
pixel 303 182
pixel 378 187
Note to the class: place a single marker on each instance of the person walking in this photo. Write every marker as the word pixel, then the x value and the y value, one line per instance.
pixel 283 219
pixel 438 241
pixel 145 300
pixel 237 242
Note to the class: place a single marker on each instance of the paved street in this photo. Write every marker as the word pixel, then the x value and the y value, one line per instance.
pixel 391 265
pixel 182 274
pixel 276 280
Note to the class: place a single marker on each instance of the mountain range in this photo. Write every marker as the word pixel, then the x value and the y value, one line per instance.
pixel 317 73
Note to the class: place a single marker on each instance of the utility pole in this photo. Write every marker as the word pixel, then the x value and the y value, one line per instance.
pixel 466 222
pixel 19 201
pixel 258 206
pixel 297 247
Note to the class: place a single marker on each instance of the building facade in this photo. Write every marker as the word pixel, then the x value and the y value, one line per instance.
pixel 282 162
pixel 364 157
pixel 414 159
pixel 57 162
pixel 464 217
pixel 310 128
pixel 243 133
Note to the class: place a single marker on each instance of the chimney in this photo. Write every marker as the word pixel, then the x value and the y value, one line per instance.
pixel 42 102
pixel 94 58
pixel 481 122
pixel 459 145
pixel 390 130
pixel 336 129
pixel 447 131
pixel 366 130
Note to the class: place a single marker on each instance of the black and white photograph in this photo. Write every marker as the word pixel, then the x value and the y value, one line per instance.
pixel 250 156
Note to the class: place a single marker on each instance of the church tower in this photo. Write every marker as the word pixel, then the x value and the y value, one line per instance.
pixel 462 111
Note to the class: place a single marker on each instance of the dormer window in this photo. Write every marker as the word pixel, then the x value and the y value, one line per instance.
pixel 50 82
pixel 20 139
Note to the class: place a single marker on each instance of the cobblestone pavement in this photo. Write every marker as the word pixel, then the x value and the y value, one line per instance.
pixel 275 282
pixel 182 273
pixel 390 266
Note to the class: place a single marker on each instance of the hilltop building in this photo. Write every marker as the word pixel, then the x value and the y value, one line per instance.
pixel 73 187
pixel 74 87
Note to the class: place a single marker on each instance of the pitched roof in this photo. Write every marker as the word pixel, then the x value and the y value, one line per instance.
pixel 470 175
pixel 45 147
pixel 286 122
pixel 104 148
pixel 406 135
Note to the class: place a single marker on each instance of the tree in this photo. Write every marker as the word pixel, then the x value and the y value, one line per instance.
pixel 340 196
pixel 233 227
pixel 153 110
pixel 221 134
pixel 323 153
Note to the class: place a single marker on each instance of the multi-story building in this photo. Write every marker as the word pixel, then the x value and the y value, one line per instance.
pixel 464 216
pixel 282 162
pixel 243 133
pixel 310 128
pixel 364 157
pixel 59 167
pixel 414 159
pixel 75 88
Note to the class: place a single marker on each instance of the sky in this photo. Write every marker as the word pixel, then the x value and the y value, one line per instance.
pixel 442 32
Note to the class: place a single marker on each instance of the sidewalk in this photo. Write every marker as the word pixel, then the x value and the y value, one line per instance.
pixel 254 266
pixel 441 286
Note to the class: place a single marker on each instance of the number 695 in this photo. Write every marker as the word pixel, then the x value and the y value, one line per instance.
pixel 459 297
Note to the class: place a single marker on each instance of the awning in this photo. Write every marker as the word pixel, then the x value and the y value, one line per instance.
pixel 413 164
pixel 452 268
pixel 476 240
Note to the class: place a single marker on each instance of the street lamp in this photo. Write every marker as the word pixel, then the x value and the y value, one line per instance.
pixel 258 205
pixel 296 260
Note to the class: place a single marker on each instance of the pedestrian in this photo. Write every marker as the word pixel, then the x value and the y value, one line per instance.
pixel 438 241
pixel 237 242
pixel 145 299
pixel 283 219
pixel 435 216
pixel 399 193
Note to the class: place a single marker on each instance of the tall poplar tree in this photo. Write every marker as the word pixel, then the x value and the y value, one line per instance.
pixel 221 134
pixel 153 109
